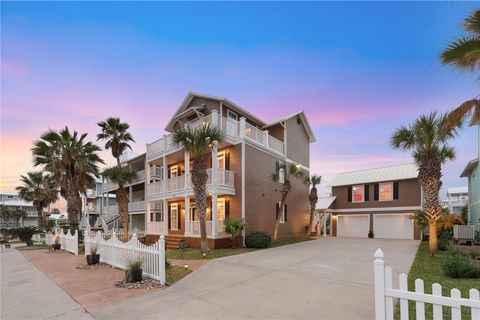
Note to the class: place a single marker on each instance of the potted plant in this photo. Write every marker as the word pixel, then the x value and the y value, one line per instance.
pixel 134 271
pixel 234 228
pixel 370 234
pixel 56 245
pixel 25 234
pixel 93 257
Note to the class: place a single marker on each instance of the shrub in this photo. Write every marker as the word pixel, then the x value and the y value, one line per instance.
pixel 443 242
pixel 258 239
pixel 234 228
pixel 25 234
pixel 456 264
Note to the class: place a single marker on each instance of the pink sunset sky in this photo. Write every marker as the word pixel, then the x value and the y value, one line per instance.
pixel 357 78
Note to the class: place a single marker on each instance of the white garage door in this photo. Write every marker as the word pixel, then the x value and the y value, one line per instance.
pixel 393 226
pixel 353 226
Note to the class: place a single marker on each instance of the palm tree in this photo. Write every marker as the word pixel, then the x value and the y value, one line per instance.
pixel 18 214
pixel 117 136
pixel 73 164
pixel 428 141
pixel 39 189
pixel 464 55
pixel 121 176
pixel 117 139
pixel 312 182
pixel 283 175
pixel 5 213
pixel 199 142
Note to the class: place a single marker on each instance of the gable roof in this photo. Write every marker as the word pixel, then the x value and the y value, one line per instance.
pixel 183 106
pixel 303 118
pixel 324 203
pixel 469 168
pixel 400 172
pixel 457 190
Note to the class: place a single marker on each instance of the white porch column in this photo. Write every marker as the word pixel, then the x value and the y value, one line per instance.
pixel 186 164
pixel 187 213
pixel 165 215
pixel 214 119
pixel 147 216
pixel 325 224
pixel 164 173
pixel 214 188
pixel 242 127
pixel 130 196
pixel 266 138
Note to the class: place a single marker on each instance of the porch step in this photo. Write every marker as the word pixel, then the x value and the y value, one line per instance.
pixel 173 241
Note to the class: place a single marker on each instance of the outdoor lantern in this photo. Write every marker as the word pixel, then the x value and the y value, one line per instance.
pixel 204 254
pixel 186 266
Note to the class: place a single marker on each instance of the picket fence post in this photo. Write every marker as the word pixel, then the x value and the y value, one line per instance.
pixel 161 248
pixel 379 275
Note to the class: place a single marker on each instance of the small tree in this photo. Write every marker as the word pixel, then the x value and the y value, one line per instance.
pixel 18 214
pixel 312 182
pixel 5 213
pixel 234 228
pixel 465 214
pixel 284 175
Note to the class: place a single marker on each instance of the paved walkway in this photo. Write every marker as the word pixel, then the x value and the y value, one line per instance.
pixel 26 293
pixel 90 288
pixel 323 279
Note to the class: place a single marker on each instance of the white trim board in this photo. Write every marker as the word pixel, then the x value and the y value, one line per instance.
pixel 378 209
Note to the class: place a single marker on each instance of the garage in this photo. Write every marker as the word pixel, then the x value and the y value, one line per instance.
pixel 353 225
pixel 393 226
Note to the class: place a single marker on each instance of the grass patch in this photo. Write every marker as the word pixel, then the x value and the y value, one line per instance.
pixel 175 273
pixel 37 246
pixel 429 269
pixel 196 254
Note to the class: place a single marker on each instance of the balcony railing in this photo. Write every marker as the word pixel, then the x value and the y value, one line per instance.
pixel 111 209
pixel 193 228
pixel 136 206
pixel 225 178
pixel 156 172
pixel 233 129
pixel 140 175
pixel 156 227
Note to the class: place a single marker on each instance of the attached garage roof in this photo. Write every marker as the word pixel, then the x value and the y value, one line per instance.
pixel 401 172
pixel 324 203
pixel 469 168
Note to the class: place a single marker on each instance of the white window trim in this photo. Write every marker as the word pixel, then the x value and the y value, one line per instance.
pixel 172 225
pixel 220 200
pixel 281 175
pixel 230 112
pixel 282 212
pixel 221 157
pixel 380 191
pixel 363 193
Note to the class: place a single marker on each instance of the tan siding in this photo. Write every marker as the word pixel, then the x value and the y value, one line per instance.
pixel 409 195
pixel 276 131
pixel 298 145
pixel 262 194
pixel 236 166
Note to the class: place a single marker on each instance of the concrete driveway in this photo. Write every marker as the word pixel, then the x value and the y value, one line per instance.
pixel 322 279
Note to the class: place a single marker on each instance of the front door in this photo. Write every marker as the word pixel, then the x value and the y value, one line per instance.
pixel 173 176
pixel 174 216
pixel 221 167
pixel 232 119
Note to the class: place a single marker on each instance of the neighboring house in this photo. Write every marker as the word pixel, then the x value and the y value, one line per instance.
pixel 472 172
pixel 457 199
pixel 13 201
pixel 59 218
pixel 381 200
pixel 239 174
pixel 92 202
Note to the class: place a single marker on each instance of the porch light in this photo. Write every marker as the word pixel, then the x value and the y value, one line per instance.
pixel 204 254
pixel 186 266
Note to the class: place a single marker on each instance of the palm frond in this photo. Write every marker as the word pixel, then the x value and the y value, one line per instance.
pixel 472 22
pixel 463 54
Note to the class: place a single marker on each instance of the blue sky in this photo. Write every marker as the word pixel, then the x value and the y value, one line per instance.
pixel 359 70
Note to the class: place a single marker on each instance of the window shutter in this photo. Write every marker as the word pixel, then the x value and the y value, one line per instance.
pixel 349 196
pixel 227 161
pixel 227 209
pixel 179 214
pixel 367 191
pixel 169 220
pixel 375 191
pixel 277 209
pixel 277 167
pixel 395 190
pixel 285 212
pixel 168 173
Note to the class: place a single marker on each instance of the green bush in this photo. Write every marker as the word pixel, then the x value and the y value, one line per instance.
pixel 258 239
pixel 456 264
pixel 25 234
pixel 444 240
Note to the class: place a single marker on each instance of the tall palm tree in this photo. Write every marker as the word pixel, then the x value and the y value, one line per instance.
pixel 284 174
pixel 117 139
pixel 73 164
pixel 39 189
pixel 464 55
pixel 312 182
pixel 117 136
pixel 199 142
pixel 121 176
pixel 428 141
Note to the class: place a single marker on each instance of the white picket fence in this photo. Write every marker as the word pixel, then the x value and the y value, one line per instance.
pixel 68 241
pixel 118 253
pixel 385 295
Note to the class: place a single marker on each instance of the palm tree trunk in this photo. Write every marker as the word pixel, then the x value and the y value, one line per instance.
pixel 122 201
pixel 199 180
pixel 432 239
pixel 279 215
pixel 310 222
pixel 74 208
pixel 40 217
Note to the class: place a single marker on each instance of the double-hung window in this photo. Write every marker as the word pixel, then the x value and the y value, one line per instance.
pixel 358 193
pixel 386 191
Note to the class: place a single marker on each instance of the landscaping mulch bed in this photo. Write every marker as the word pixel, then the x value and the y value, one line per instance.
pixel 100 265
pixel 146 283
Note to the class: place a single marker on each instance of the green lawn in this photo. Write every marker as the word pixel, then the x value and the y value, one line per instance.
pixel 428 268
pixel 175 273
pixel 34 247
pixel 196 254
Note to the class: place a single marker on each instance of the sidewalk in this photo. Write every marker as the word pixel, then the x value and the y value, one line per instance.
pixel 26 293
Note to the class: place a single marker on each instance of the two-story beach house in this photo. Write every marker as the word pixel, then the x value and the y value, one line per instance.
pixel 239 175
pixel 380 200
pixel 11 200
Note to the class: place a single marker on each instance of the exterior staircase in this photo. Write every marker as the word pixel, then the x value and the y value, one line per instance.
pixel 172 241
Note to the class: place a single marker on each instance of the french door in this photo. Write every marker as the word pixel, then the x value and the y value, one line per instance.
pixel 174 216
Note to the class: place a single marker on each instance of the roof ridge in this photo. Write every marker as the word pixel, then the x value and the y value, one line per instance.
pixel 398 165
